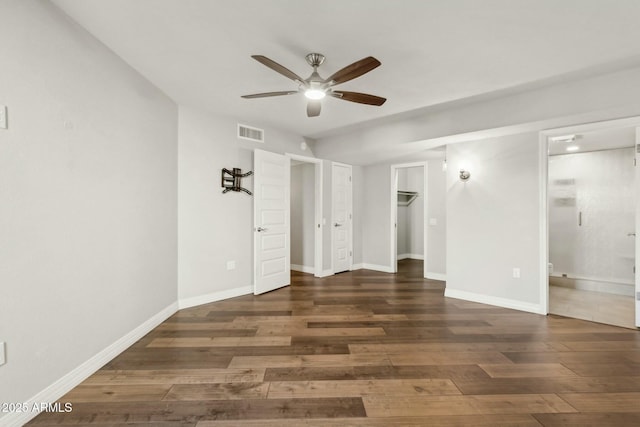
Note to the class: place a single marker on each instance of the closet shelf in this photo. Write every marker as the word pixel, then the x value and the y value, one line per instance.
pixel 406 197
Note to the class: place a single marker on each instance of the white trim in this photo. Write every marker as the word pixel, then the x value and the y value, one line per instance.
pixel 303 268
pixel 305 159
pixel 318 238
pixel 340 164
pixel 215 296
pixel 393 218
pixel 410 256
pixel 63 385
pixel 349 208
pixel 543 213
pixel 376 267
pixel 358 266
pixel 393 230
pixel 497 301
pixel 326 273
pixel 637 226
pixel 436 276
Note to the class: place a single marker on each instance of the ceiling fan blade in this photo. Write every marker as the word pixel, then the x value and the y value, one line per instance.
pixel 267 94
pixel 354 70
pixel 313 108
pixel 278 68
pixel 361 98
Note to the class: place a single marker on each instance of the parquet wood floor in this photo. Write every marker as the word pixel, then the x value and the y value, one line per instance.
pixel 364 349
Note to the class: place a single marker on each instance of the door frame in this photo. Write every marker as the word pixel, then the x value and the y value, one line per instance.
pixel 350 209
pixel 543 153
pixel 393 199
pixel 318 176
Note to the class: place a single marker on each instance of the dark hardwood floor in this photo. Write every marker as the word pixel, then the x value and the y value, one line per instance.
pixel 365 349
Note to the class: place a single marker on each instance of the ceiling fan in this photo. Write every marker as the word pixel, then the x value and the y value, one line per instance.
pixel 316 88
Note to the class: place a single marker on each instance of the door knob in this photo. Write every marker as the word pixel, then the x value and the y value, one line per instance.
pixel 259 229
pixel 631 234
pixel 337 225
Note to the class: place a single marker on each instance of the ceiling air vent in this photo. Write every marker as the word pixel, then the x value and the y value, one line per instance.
pixel 249 133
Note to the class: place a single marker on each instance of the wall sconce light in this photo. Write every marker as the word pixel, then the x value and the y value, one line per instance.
pixel 464 175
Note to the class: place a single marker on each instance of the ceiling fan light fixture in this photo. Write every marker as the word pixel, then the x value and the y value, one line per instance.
pixel 315 88
pixel 315 93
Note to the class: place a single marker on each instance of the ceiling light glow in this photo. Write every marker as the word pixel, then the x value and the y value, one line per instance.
pixel 572 148
pixel 314 93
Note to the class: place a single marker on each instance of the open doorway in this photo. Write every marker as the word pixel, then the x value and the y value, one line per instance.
pixel 591 226
pixel 306 214
pixel 408 212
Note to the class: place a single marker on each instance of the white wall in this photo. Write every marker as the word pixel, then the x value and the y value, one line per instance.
pixel 358 213
pixel 437 211
pixel 376 216
pixel 88 198
pixel 493 221
pixel 303 216
pixel 570 99
pixel 214 228
pixel 599 184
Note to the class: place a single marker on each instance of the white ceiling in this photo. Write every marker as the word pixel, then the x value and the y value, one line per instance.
pixel 198 51
pixel 604 139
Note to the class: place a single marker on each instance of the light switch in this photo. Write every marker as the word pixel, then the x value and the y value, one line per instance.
pixel 3 358
pixel 3 117
pixel 231 265
pixel 433 221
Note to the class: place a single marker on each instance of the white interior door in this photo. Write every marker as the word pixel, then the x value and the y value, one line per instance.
pixel 272 263
pixel 341 217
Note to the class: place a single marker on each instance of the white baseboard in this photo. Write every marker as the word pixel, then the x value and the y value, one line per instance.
pixel 62 386
pixel 436 276
pixel 497 301
pixel 410 256
pixel 358 266
pixel 214 296
pixel 326 273
pixel 376 267
pixel 303 268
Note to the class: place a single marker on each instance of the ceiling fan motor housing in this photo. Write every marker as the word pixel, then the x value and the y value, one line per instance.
pixel 315 59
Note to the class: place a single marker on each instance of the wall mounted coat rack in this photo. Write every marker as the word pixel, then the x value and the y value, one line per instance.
pixel 231 180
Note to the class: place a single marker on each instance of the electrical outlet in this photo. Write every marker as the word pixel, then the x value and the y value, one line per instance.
pixel 3 357
pixel 3 117
pixel 231 265
pixel 516 273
